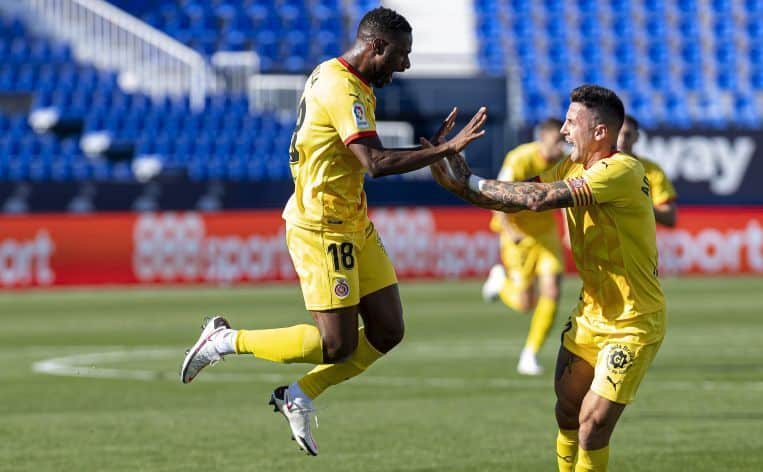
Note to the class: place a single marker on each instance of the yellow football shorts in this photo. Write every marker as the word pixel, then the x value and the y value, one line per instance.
pixel 530 257
pixel 337 269
pixel 620 352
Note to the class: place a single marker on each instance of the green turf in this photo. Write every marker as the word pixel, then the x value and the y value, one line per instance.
pixel 448 399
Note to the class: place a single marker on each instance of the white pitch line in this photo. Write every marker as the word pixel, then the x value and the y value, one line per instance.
pixel 85 365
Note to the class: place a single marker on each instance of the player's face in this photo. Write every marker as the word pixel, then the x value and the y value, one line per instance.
pixel 552 144
pixel 578 130
pixel 627 137
pixel 392 58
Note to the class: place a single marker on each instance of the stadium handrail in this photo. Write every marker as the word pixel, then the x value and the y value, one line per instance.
pixel 112 38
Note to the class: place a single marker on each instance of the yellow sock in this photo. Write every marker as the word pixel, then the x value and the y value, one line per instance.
pixel 508 295
pixel 541 323
pixel 566 449
pixel 592 461
pixel 300 343
pixel 326 375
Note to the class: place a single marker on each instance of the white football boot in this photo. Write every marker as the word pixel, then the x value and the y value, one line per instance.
pixel 494 283
pixel 298 411
pixel 528 363
pixel 203 353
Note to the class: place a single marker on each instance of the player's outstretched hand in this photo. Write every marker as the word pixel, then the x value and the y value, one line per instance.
pixel 447 126
pixel 471 132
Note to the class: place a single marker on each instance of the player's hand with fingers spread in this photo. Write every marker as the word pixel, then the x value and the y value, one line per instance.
pixel 471 132
pixel 447 126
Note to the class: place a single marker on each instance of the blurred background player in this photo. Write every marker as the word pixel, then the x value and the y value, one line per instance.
pixel 530 247
pixel 618 325
pixel 343 268
pixel 663 194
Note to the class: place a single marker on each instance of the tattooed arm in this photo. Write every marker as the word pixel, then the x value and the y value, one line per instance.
pixel 444 176
pixel 532 196
pixel 507 197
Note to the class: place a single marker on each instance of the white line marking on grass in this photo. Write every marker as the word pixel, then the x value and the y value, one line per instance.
pixel 86 365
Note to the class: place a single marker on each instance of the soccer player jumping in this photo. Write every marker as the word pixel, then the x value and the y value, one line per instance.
pixel 342 266
pixel 618 325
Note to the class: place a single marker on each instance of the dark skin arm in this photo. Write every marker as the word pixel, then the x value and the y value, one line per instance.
pixel 665 214
pixel 380 161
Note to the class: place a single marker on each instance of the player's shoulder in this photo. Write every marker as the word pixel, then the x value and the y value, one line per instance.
pixel 329 77
pixel 621 161
pixel 618 166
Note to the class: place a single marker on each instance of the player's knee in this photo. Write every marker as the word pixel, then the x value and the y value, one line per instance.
pixel 525 301
pixel 524 304
pixel 595 430
pixel 549 288
pixel 566 415
pixel 551 292
pixel 395 336
pixel 336 349
pixel 388 337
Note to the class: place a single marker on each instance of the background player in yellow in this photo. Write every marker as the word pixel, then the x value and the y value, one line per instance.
pixel 663 193
pixel 619 322
pixel 343 268
pixel 531 251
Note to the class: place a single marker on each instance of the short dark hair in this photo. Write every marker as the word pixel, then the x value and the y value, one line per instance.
pixel 550 124
pixel 632 122
pixel 382 21
pixel 603 102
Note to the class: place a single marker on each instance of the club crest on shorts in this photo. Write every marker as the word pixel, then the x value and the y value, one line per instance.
pixel 359 111
pixel 619 358
pixel 341 288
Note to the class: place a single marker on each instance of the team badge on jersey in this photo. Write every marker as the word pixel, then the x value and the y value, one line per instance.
pixel 341 288
pixel 359 111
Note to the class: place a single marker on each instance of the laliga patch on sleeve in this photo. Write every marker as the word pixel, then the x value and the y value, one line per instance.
pixel 359 111
pixel 341 288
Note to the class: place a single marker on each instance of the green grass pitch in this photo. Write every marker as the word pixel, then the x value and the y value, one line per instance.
pixel 88 382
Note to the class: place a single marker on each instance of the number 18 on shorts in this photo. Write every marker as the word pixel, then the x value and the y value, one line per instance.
pixel 336 269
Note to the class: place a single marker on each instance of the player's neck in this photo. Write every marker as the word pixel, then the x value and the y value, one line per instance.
pixel 355 57
pixel 598 155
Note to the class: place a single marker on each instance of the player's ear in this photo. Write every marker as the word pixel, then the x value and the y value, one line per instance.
pixel 379 45
pixel 600 132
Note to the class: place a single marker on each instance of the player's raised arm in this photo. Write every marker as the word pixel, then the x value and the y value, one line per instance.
pixel 455 176
pixel 380 161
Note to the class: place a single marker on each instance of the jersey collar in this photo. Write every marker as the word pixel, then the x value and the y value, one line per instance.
pixel 353 71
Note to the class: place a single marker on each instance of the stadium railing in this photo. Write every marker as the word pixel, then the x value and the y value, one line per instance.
pixel 113 39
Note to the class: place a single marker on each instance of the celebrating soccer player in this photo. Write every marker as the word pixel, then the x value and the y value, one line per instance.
pixel 531 251
pixel 342 266
pixel 619 323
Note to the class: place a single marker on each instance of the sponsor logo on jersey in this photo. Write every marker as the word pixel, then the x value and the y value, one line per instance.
pixel 359 111
pixel 341 288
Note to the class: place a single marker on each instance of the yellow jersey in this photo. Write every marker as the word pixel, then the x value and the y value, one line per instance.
pixel 522 163
pixel 613 237
pixel 662 189
pixel 337 107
